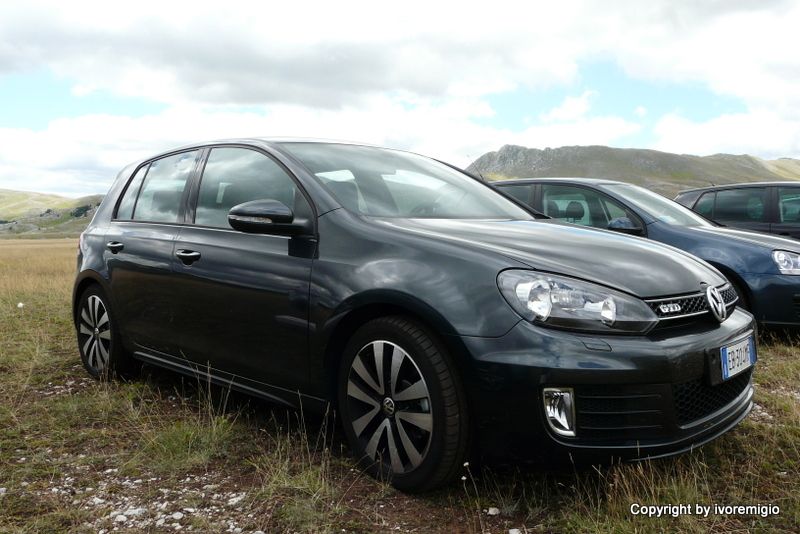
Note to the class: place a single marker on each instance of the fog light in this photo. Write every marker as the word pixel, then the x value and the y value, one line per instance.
pixel 559 408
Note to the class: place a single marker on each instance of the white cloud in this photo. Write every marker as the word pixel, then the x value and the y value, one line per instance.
pixel 572 108
pixel 763 132
pixel 82 155
pixel 640 111
pixel 415 76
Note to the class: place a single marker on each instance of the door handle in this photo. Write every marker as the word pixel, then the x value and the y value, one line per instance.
pixel 114 246
pixel 188 256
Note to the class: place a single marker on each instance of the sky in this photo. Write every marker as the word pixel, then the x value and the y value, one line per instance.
pixel 88 87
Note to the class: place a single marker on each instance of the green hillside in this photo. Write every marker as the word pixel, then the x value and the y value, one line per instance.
pixel 663 172
pixel 25 213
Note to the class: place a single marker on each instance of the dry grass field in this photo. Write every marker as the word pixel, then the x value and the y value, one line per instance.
pixel 164 453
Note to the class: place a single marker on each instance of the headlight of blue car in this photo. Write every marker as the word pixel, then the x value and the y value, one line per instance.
pixel 787 262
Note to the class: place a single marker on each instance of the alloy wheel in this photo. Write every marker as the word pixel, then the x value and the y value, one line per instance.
pixel 389 406
pixel 95 333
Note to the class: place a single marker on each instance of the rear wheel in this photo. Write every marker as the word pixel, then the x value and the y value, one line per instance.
pixel 402 405
pixel 98 337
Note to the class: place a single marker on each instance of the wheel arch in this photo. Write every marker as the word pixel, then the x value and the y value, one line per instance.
pixel 732 276
pixel 83 281
pixel 359 311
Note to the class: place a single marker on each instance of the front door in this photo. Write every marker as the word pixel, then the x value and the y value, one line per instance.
pixel 242 303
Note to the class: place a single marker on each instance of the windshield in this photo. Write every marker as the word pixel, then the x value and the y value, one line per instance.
pixel 389 183
pixel 660 207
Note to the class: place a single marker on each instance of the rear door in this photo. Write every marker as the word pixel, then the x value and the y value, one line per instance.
pixel 139 250
pixel 745 207
pixel 787 212
pixel 243 298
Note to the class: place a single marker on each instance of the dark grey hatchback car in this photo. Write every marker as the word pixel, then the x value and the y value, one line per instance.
pixel 435 314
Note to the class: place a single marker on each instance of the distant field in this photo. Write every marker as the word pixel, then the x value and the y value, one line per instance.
pixel 80 456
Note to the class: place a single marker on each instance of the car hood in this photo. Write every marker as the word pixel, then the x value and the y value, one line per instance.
pixel 634 265
pixel 769 241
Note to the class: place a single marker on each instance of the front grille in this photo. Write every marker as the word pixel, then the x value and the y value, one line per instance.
pixel 689 305
pixel 696 399
pixel 604 412
pixel 796 302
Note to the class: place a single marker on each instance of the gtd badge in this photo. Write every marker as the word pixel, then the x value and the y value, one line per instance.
pixel 716 303
pixel 672 307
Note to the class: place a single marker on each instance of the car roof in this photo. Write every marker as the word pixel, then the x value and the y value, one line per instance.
pixel 272 142
pixel 570 179
pixel 789 183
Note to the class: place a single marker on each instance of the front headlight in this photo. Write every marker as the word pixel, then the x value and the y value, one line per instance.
pixel 569 303
pixel 787 262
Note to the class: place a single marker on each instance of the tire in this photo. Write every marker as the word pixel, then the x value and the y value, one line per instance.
pixel 409 423
pixel 99 341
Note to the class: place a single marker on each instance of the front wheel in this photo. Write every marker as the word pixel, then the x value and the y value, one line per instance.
pixel 402 405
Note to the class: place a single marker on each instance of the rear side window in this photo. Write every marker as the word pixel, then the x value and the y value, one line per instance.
pixel 746 205
pixel 160 198
pixel 705 206
pixel 520 192
pixel 789 204
pixel 233 176
pixel 125 209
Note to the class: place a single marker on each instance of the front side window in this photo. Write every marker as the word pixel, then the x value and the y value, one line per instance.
pixel 579 205
pixel 789 204
pixel 743 205
pixel 233 176
pixel 162 190
pixel 389 183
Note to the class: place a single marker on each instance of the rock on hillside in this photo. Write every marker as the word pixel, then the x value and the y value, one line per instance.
pixel 661 171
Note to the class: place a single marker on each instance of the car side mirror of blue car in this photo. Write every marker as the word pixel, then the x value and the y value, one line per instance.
pixel 625 225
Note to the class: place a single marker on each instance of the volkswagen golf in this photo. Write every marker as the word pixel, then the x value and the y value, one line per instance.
pixel 436 315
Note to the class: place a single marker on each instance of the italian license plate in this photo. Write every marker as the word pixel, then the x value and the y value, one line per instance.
pixel 737 357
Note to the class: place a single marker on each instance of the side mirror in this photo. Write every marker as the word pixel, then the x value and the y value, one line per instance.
pixel 625 225
pixel 267 217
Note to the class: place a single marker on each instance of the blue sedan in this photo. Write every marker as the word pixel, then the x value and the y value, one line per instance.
pixel 763 269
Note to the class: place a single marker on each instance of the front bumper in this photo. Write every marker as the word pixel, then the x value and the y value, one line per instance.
pixel 636 396
pixel 775 298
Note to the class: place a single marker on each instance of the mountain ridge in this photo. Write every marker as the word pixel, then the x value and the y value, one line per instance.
pixel 664 172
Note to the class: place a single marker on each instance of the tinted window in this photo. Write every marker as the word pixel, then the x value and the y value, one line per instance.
pixel 705 206
pixel 233 176
pixel 125 209
pixel 163 187
pixel 746 204
pixel 389 183
pixel 520 192
pixel 580 205
pixel 789 204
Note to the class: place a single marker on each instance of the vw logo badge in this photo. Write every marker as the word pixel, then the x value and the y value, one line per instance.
pixel 716 303
pixel 388 407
